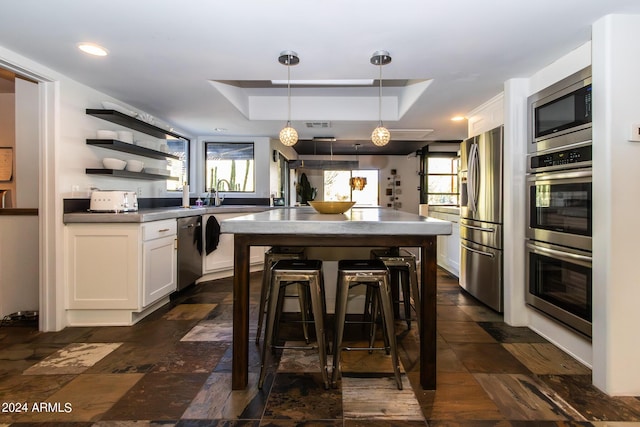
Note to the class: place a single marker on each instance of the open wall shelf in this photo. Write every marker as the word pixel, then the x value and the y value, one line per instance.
pixel 114 144
pixel 121 119
pixel 131 175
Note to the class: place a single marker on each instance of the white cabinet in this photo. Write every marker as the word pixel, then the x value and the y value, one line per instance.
pixel 117 273
pixel 159 260
pixel 219 263
pixel 449 245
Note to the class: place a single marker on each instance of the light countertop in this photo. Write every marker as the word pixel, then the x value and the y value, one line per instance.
pixel 365 221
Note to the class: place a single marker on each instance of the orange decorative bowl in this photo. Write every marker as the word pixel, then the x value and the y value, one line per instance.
pixel 331 207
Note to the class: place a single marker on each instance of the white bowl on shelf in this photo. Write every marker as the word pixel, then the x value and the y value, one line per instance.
pixel 115 164
pixel 135 165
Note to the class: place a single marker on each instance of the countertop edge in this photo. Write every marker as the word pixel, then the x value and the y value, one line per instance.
pixel 156 214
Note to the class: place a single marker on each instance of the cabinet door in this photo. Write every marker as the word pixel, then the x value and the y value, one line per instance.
pixel 453 249
pixel 159 261
pixel 449 245
pixel 221 258
pixel 102 266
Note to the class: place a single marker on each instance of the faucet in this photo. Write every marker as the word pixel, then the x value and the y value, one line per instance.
pixel 223 181
pixel 216 192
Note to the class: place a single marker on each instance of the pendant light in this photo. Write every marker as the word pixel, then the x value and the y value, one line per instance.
pixel 380 135
pixel 288 135
pixel 357 182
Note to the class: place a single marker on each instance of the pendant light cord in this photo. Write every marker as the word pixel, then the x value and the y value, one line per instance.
pixel 380 95
pixel 289 90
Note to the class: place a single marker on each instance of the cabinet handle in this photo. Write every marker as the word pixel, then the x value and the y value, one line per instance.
pixel 175 244
pixel 163 230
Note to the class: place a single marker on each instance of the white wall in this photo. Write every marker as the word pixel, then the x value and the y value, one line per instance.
pixel 616 276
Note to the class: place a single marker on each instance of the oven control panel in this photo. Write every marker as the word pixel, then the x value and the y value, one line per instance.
pixel 567 158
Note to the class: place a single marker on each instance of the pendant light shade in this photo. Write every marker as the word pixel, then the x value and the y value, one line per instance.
pixel 357 182
pixel 288 135
pixel 380 135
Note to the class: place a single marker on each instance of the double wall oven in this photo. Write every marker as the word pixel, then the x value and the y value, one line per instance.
pixel 559 203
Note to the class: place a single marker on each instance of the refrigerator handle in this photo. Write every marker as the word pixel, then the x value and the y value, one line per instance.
pixel 473 177
pixel 490 255
pixel 488 230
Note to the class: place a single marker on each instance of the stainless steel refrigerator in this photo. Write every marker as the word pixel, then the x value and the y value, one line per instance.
pixel 481 171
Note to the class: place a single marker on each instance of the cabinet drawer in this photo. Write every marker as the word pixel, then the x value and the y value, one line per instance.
pixel 156 229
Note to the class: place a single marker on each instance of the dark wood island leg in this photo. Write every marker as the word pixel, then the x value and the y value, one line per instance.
pixel 428 293
pixel 240 363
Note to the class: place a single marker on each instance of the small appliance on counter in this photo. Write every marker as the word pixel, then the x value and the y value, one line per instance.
pixel 113 201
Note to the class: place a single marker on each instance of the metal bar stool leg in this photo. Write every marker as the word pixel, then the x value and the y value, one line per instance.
pixel 340 314
pixel 317 297
pixel 268 332
pixel 415 290
pixel 387 318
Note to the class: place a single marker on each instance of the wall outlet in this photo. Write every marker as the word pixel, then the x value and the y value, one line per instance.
pixel 635 132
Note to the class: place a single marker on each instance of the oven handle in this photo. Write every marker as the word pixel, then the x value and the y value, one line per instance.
pixel 489 254
pixel 473 227
pixel 579 173
pixel 560 254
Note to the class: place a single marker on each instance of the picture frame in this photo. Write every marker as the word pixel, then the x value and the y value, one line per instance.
pixel 6 164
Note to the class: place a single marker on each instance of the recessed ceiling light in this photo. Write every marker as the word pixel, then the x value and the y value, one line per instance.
pixel 458 118
pixel 220 129
pixel 92 49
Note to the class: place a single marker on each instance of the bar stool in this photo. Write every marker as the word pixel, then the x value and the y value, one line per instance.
pixel 375 275
pixel 402 265
pixel 272 256
pixel 302 273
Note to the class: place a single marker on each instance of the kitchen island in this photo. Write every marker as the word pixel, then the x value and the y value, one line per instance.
pixel 358 227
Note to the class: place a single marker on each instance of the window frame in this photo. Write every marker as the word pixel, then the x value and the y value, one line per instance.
pixel 205 173
pixel 186 166
pixel 454 156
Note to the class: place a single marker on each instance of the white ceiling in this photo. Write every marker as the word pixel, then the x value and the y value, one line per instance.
pixel 203 65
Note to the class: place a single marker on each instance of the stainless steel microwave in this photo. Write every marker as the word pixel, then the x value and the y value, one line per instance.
pixel 560 114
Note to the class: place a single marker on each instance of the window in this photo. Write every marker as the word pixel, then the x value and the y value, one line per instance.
pixel 336 187
pixel 230 166
pixel 442 179
pixel 178 167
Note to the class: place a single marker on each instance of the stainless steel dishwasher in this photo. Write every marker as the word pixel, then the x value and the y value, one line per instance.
pixel 189 250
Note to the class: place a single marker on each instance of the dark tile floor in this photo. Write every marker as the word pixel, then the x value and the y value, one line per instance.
pixel 174 368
